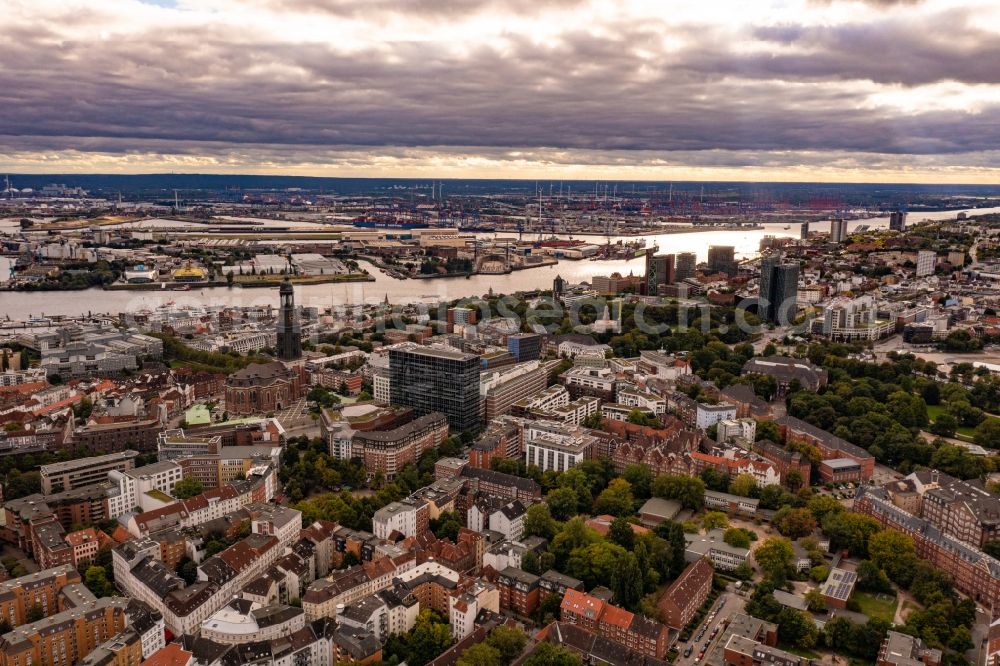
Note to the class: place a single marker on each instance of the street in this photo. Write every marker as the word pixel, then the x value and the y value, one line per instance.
pixel 734 603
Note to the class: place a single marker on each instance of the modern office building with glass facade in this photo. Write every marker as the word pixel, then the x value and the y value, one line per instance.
pixel 429 379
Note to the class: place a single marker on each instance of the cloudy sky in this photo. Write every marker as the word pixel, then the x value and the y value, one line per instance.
pixel 846 90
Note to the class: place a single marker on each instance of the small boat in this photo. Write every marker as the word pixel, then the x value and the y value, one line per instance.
pixel 185 287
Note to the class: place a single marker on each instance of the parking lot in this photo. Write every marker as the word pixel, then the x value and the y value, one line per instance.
pixel 711 630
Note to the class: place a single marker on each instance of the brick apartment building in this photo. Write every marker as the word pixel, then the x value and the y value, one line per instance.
pixel 502 439
pixel 519 591
pixel 387 451
pixel 975 573
pixel 103 438
pixel 685 595
pixel 66 637
pixel 633 631
pixel 830 446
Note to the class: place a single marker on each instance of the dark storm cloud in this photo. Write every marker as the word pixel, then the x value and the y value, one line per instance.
pixel 616 90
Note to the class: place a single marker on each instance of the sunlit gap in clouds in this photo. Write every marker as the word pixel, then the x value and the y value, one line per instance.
pixel 799 90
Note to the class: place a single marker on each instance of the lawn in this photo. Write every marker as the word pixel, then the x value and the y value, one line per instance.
pixel 802 652
pixel 877 605
pixel 962 432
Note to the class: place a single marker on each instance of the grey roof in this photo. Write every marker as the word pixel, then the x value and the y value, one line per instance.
pixel 791 600
pixel 597 649
pixel 357 643
pixel 827 438
pixel 661 508
pixel 561 580
pixel 361 611
pixel 519 575
pixel 915 525
pixel 513 510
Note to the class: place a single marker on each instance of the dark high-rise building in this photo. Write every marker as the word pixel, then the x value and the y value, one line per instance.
pixel 686 261
pixel 558 286
pixel 722 259
pixel 659 270
pixel 779 290
pixel 289 330
pixel 525 346
pixel 436 380
pixel 897 220
pixel 804 231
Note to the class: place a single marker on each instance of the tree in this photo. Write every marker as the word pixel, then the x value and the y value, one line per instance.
pixel 574 535
pixel 446 525
pixel 987 434
pixel 744 571
pixel 960 639
pixel 549 608
pixel 944 425
pixel 768 430
pixel 872 578
pixel 814 600
pixel 641 479
pixel 620 532
pixel 627 583
pixel 774 557
pixel 957 461
pixel 538 522
pixel 794 480
pixel 35 613
pixel 616 499
pixel 480 654
pixel 689 491
pixel 562 503
pixel 797 628
pixel 673 533
pixel 596 563
pixel 850 531
pixel 640 417
pixel 531 563
pixel 428 639
pixel 187 569
pixel 509 642
pixel 83 409
pixel 743 485
pixel 547 654
pixel 736 537
pixel 821 505
pixel 819 573
pixel 714 520
pixel 186 488
pixel 794 523
pixel 894 552
pixel 96 580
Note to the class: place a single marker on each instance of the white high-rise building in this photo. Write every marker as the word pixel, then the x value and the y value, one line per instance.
pixel 838 231
pixel 926 262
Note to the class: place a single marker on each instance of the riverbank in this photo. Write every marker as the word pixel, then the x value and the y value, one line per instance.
pixel 242 281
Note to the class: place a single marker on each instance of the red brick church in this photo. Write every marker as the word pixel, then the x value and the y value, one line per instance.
pixel 260 388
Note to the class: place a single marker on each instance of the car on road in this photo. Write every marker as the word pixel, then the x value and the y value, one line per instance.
pixel 687 652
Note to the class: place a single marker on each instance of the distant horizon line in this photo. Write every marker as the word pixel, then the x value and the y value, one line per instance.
pixel 102 174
